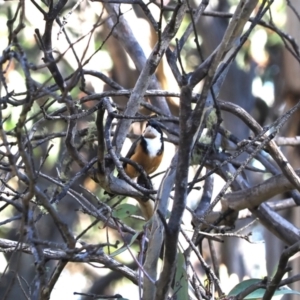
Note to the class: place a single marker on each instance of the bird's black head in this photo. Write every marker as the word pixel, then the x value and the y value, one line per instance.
pixel 155 125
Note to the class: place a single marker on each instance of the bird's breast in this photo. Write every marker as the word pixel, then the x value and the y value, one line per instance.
pixel 150 161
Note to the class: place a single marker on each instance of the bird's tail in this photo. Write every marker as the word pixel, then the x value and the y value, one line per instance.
pixel 146 204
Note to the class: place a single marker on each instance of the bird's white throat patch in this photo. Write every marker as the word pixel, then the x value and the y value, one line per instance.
pixel 153 140
pixel 153 145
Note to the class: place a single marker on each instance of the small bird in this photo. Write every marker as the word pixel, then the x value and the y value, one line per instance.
pixel 147 151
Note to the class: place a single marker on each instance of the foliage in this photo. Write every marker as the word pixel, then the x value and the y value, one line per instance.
pixel 257 292
pixel 75 78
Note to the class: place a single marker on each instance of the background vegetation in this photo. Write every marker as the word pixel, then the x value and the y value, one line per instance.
pixel 78 81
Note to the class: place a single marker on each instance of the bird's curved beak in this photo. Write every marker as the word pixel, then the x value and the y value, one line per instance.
pixel 150 132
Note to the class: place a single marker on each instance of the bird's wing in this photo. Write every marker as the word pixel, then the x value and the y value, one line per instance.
pixel 132 149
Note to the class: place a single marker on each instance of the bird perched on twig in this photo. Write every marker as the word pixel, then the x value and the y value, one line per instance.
pixel 147 151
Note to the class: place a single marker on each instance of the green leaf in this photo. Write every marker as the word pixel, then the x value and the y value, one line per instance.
pixel 181 279
pixel 124 210
pixel 259 292
pixel 122 249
